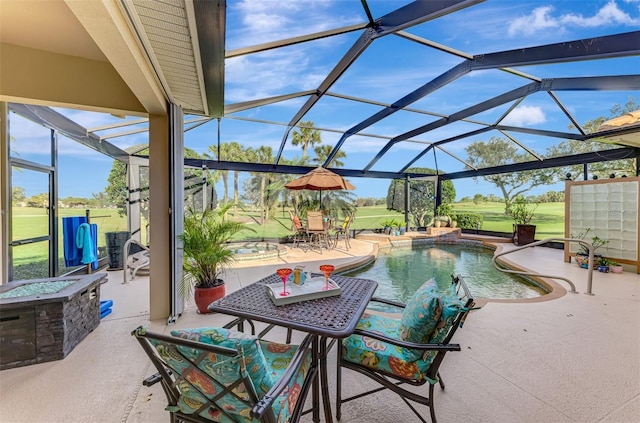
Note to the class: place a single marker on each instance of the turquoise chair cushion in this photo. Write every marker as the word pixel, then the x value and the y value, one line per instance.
pixel 278 357
pixel 197 385
pixel 383 356
pixel 421 314
pixel 451 306
pixel 266 363
pixel 247 345
pixel 394 360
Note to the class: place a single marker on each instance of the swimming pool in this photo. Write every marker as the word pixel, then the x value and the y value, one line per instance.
pixel 400 271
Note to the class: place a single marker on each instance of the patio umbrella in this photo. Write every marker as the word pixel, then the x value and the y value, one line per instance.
pixel 631 118
pixel 320 179
pixel 631 137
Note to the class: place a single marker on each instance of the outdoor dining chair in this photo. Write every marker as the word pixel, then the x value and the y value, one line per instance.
pixel 342 231
pixel 299 231
pixel 406 351
pixel 317 230
pixel 222 375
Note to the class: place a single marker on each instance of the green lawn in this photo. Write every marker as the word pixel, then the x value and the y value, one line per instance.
pixel 548 218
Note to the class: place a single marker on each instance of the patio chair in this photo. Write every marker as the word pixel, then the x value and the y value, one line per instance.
pixel 138 259
pixel 222 375
pixel 409 350
pixel 317 230
pixel 343 231
pixel 299 231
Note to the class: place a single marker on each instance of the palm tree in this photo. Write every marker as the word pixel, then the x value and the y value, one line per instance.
pixel 235 153
pixel 263 154
pixel 231 152
pixel 224 174
pixel 323 151
pixel 308 136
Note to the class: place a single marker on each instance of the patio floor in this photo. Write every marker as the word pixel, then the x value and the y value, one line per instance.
pixel 575 358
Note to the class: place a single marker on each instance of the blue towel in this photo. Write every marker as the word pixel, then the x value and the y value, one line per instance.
pixel 72 255
pixel 94 237
pixel 85 242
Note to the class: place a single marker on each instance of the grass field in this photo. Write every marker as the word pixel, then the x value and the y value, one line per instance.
pixel 30 260
pixel 548 218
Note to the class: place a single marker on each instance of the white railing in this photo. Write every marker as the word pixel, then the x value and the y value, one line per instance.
pixel 544 241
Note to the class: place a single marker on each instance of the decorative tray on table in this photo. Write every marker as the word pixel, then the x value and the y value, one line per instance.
pixel 312 289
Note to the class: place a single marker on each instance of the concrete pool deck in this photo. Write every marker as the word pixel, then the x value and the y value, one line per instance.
pixel 575 358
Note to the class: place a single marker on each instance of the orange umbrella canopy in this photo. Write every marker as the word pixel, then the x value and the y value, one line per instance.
pixel 320 179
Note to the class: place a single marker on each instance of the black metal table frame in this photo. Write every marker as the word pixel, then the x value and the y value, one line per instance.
pixel 331 317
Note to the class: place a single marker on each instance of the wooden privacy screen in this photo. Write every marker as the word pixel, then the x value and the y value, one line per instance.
pixel 610 208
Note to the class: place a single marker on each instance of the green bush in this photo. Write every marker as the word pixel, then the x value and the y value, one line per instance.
pixel 467 220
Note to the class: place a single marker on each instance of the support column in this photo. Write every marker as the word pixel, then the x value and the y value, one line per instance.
pixel 159 217
pixel 166 214
pixel 407 202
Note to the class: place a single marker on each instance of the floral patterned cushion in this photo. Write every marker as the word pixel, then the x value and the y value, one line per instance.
pixel 262 359
pixel 388 358
pixel 381 355
pixel 199 384
pixel 278 357
pixel 421 314
pixel 247 345
pixel 451 306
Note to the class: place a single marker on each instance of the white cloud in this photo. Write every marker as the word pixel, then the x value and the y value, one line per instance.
pixel 525 115
pixel 542 19
pixel 261 22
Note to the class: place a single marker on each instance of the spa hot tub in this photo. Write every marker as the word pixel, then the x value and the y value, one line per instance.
pixel 44 319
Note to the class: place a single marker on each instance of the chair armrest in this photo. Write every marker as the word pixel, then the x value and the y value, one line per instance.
pixel 408 345
pixel 239 325
pixel 388 302
pixel 267 400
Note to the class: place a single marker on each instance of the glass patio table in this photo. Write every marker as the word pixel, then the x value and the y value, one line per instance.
pixel 330 318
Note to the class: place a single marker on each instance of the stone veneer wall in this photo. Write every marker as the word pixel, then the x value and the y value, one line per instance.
pixel 39 331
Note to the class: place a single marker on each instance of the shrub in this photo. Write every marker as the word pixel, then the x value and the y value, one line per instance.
pixel 468 220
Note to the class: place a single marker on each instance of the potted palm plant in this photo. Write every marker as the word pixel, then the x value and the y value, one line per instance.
pixel 522 211
pixel 206 254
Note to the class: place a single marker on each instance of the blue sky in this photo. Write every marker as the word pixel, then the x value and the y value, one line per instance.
pixel 389 69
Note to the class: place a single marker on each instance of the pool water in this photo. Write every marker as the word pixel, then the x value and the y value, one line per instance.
pixel 401 271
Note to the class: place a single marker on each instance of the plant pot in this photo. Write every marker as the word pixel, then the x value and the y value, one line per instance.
pixel 603 269
pixel 616 269
pixel 454 224
pixel 596 260
pixel 205 296
pixel 524 234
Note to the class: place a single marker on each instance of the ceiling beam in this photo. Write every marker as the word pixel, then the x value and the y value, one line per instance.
pixel 577 159
pixel 294 40
pixel 211 24
pixel 618 45
pixel 621 82
pixel 49 118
